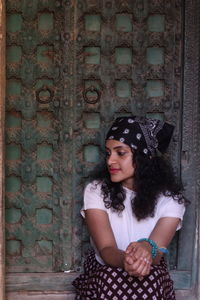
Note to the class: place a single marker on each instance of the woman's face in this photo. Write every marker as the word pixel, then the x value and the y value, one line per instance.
pixel 120 163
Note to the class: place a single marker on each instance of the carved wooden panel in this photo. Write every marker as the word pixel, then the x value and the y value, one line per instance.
pixel 72 67
pixel 34 137
pixel 127 60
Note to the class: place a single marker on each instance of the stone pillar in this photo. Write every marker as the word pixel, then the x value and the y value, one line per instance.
pixel 2 118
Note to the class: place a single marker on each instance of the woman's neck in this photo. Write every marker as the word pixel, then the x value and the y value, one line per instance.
pixel 129 186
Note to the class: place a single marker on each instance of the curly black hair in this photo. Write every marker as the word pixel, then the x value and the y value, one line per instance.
pixel 152 177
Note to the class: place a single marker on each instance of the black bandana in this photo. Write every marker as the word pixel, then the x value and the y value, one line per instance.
pixel 142 134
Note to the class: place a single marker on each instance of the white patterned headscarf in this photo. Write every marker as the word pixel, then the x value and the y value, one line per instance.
pixel 142 134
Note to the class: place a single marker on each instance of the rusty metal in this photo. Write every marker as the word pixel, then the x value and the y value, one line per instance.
pixel 44 99
pixel 91 99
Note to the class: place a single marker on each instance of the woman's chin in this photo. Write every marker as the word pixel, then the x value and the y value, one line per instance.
pixel 114 179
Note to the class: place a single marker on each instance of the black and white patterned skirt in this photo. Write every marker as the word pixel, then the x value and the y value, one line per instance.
pixel 111 283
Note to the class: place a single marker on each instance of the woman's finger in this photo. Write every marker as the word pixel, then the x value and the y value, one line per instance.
pixel 129 259
pixel 141 252
pixel 140 268
pixel 131 247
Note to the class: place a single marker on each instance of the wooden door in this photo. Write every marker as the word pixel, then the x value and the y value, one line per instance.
pixel 72 67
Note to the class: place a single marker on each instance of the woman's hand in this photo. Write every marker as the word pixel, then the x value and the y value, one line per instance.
pixel 138 259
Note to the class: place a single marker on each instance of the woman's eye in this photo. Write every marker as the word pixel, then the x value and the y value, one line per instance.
pixel 121 153
pixel 107 154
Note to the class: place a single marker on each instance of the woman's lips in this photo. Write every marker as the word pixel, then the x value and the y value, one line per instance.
pixel 113 171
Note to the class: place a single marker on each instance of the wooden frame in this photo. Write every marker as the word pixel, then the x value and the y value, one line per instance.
pixel 191 96
pixel 2 112
pixel 191 136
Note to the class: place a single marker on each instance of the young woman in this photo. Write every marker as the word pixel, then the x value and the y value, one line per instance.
pixel 132 210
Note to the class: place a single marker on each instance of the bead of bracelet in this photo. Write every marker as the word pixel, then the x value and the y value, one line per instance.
pixel 154 247
pixel 164 250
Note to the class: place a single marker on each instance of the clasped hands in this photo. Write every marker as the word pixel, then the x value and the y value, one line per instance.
pixel 138 259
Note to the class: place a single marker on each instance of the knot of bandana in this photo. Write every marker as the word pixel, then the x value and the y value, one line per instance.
pixel 141 134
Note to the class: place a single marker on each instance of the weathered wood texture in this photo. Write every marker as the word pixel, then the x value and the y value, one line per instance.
pixel 39 296
pixel 2 97
pixel 98 58
pixel 181 295
pixel 60 282
pixel 190 142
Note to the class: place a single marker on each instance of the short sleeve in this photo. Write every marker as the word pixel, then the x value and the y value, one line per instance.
pixel 168 207
pixel 92 198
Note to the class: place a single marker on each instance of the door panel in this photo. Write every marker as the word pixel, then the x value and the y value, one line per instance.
pixel 34 150
pixel 72 67
pixel 128 55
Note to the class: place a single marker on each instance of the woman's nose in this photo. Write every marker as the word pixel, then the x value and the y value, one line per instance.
pixel 110 159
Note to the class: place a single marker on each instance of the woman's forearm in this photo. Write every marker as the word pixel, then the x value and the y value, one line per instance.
pixel 113 256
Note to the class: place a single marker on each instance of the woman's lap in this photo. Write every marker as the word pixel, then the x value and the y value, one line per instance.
pixel 105 282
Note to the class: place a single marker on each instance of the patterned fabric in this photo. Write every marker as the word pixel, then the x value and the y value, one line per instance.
pixel 109 283
pixel 142 134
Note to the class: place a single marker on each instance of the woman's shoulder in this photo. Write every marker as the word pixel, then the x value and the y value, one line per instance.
pixel 168 197
pixel 170 205
pixel 93 185
pixel 92 196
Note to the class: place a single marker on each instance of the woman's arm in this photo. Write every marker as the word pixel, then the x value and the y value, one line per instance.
pixel 137 258
pixel 102 235
pixel 162 235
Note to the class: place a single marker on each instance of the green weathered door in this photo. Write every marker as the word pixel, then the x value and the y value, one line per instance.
pixel 72 66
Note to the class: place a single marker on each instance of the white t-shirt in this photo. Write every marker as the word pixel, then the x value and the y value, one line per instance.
pixel 125 226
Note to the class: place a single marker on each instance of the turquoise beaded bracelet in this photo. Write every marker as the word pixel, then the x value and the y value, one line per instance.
pixel 164 250
pixel 154 248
